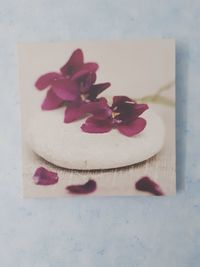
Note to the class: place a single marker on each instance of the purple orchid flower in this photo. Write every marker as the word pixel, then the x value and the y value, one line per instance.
pixel 122 115
pixel 74 78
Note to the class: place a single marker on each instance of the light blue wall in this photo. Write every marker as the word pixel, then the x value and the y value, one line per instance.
pixel 113 231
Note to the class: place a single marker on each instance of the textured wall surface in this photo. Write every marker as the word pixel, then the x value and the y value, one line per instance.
pixel 107 231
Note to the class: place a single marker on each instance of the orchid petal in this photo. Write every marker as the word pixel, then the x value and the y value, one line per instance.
pixel 44 177
pixel 46 80
pixel 83 76
pixel 90 66
pixel 79 74
pixel 73 64
pixel 66 89
pixel 74 111
pixel 87 68
pixel 117 100
pixel 93 125
pixel 133 128
pixel 97 89
pixel 100 109
pixel 138 109
pixel 85 82
pixel 147 185
pixel 51 101
pixel 86 188
pixel 77 110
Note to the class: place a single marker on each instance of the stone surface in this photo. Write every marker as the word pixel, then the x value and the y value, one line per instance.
pixel 66 145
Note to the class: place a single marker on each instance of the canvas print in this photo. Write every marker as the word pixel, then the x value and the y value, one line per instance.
pixel 98 118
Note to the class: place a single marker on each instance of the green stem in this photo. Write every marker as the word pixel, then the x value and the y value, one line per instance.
pixel 158 98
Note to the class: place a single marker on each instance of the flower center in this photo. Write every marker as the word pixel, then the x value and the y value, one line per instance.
pixel 114 114
pixel 84 97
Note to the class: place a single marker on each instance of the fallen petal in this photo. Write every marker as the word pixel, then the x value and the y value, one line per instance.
pixel 46 80
pixel 44 177
pixel 93 125
pixel 51 101
pixel 147 185
pixel 86 188
pixel 133 128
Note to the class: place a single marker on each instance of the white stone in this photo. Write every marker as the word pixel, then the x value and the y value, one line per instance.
pixel 65 145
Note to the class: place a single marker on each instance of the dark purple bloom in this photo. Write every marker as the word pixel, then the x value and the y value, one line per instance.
pixel 44 177
pixel 147 185
pixel 72 83
pixel 122 115
pixel 86 188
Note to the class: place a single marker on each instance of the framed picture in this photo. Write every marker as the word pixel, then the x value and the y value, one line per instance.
pixel 98 118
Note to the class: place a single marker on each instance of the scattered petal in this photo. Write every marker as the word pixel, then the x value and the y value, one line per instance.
pixel 133 128
pixel 147 185
pixel 44 177
pixel 51 101
pixel 93 125
pixel 86 188
pixel 45 80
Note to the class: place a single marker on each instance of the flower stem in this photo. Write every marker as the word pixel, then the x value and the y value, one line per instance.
pixel 158 98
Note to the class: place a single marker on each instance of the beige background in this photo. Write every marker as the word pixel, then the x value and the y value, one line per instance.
pixel 135 69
